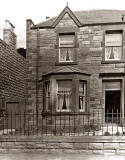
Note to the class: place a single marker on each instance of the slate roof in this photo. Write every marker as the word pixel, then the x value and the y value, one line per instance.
pixel 47 23
pixel 99 16
pixel 66 69
pixel 91 17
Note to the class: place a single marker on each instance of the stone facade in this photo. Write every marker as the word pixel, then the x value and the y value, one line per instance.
pixel 12 73
pixel 43 50
pixel 64 145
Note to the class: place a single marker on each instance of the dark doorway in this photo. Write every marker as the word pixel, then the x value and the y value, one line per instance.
pixel 14 119
pixel 112 106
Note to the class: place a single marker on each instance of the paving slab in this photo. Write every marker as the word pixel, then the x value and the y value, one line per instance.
pixel 57 156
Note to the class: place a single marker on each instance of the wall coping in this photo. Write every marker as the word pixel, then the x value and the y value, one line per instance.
pixel 64 139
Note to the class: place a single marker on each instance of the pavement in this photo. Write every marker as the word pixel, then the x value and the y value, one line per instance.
pixel 57 156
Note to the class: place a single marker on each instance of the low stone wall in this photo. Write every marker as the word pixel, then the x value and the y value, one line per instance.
pixel 96 145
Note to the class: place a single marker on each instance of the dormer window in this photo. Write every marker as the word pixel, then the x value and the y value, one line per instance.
pixel 66 47
pixel 113 45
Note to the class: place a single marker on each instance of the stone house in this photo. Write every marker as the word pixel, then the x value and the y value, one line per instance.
pixel 75 62
pixel 12 74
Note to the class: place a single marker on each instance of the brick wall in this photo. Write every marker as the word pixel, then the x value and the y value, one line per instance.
pixel 12 74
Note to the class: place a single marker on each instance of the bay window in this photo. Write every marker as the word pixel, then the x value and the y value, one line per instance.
pixel 66 91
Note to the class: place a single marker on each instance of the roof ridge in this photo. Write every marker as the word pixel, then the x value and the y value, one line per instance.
pixel 98 10
pixel 90 17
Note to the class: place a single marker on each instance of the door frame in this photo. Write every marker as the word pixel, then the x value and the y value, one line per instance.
pixel 120 101
pixel 121 80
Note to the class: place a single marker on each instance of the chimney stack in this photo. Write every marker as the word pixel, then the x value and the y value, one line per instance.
pixel 9 35
pixel 47 17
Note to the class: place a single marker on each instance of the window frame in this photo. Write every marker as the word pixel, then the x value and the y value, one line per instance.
pixel 47 99
pixel 74 46
pixel 113 32
pixel 69 107
pixel 84 95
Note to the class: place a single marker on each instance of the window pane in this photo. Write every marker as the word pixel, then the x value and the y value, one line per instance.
pixel 117 52
pixel 66 40
pixel 82 96
pixel 114 53
pixel 64 95
pixel 66 54
pixel 113 39
pixel 108 52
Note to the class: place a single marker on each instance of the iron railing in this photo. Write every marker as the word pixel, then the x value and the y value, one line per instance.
pixel 93 123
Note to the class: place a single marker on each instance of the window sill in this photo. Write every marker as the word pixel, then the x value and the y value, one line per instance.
pixel 113 61
pixel 73 113
pixel 65 113
pixel 81 111
pixel 64 110
pixel 65 63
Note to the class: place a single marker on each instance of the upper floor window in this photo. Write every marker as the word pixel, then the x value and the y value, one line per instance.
pixel 113 45
pixel 66 47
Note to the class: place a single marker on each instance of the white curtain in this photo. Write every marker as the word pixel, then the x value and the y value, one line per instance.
pixel 113 53
pixel 107 53
pixel 117 52
pixel 66 54
pixel 113 43
pixel 64 95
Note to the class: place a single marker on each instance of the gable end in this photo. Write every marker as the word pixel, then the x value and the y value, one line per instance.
pixel 70 13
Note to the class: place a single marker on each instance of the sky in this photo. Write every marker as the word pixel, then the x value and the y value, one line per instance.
pixel 17 11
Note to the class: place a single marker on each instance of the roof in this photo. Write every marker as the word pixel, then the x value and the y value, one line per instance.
pixel 99 16
pixel 66 70
pixel 89 17
pixel 3 42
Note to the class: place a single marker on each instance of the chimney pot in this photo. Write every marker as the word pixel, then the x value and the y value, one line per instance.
pixel 47 17
pixel 9 35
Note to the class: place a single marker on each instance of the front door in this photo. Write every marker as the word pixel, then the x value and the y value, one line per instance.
pixel 12 109
pixel 112 106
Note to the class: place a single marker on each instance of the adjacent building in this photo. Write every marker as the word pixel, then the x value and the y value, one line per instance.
pixel 12 73
pixel 76 63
